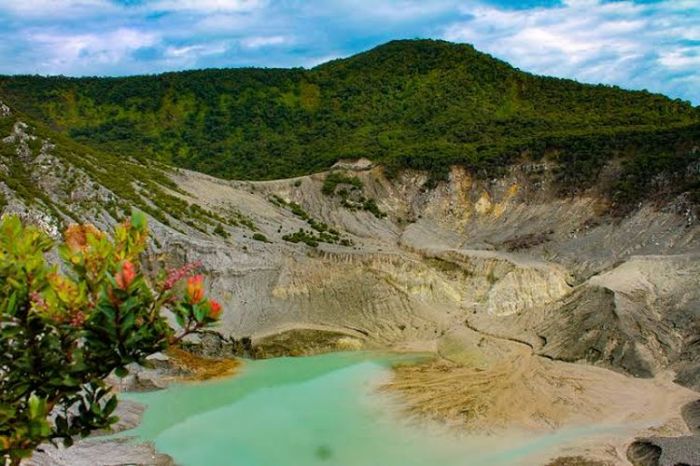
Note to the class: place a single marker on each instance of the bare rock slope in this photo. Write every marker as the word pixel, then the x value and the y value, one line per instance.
pixel 471 268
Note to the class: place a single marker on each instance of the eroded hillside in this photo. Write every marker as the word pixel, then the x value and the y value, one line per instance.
pixel 492 275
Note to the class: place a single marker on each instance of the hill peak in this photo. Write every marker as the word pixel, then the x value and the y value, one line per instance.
pixel 417 54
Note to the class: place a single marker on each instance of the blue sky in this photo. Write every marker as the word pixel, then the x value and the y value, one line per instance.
pixel 637 44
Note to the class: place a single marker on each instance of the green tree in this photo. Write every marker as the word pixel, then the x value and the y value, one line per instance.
pixel 63 330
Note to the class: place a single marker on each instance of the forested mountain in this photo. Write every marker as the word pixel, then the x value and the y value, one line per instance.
pixel 413 103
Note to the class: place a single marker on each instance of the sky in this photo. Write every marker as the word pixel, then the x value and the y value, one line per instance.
pixel 636 44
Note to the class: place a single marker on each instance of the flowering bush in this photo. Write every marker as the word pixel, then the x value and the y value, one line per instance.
pixel 63 330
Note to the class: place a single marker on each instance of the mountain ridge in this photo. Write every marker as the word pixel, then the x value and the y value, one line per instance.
pixel 416 104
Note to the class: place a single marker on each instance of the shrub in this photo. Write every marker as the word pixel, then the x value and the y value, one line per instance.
pixel 64 330
pixel 333 179
pixel 304 237
pixel 298 210
pixel 219 230
pixel 371 206
pixel 311 239
pixel 260 237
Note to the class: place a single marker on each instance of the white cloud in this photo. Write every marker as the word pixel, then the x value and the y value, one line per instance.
pixel 207 6
pixel 53 9
pixel 263 41
pixel 403 10
pixel 681 58
pixel 221 23
pixel 190 51
pixel 625 43
pixel 188 56
pixel 64 52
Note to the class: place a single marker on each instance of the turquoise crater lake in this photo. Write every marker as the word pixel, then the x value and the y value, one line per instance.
pixel 321 410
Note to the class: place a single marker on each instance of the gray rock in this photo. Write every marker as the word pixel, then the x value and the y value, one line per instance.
pixel 665 451
pixel 97 451
pixel 670 451
pixel 93 452
pixel 691 416
pixel 4 110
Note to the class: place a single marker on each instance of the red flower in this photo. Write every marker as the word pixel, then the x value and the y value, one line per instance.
pixel 214 309
pixel 195 288
pixel 78 319
pixel 126 275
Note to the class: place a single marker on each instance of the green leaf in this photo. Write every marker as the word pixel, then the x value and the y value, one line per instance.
pixel 128 322
pixel 12 303
pixel 131 303
pixel 110 406
pixel 37 407
pixel 138 219
pixel 200 312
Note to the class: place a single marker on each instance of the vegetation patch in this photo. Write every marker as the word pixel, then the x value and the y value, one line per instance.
pixel 333 179
pixel 220 231
pixel 313 239
pixel 67 327
pixel 237 218
pixel 322 232
pixel 261 237
pixel 350 193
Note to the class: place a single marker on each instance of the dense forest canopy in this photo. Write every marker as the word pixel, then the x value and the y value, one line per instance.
pixel 422 104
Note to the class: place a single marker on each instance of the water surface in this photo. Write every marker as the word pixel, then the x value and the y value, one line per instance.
pixel 313 411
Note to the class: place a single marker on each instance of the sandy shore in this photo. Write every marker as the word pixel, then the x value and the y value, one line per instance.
pixel 518 391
